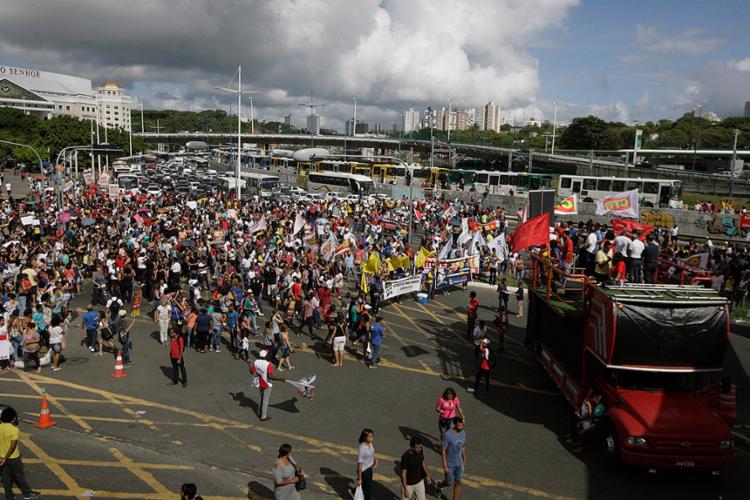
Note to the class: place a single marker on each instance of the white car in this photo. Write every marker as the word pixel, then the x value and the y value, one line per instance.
pixel 379 196
pixel 154 190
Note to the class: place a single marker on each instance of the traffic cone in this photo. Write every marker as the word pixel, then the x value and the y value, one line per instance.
pixel 45 419
pixel 119 370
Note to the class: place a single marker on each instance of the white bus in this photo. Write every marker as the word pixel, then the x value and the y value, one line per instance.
pixel 127 182
pixel 261 184
pixel 651 192
pixel 339 182
pixel 505 183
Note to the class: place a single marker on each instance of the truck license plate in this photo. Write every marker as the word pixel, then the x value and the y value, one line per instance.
pixel 685 463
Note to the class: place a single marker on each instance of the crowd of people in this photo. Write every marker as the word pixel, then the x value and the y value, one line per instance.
pixel 256 272
pixel 264 272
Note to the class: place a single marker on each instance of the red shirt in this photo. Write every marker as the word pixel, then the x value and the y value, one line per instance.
pixel 176 346
pixel 297 291
pixel 473 306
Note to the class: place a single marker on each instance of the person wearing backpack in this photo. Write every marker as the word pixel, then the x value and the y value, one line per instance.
pixel 486 361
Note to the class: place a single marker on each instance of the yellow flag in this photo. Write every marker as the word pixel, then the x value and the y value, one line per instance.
pixel 372 265
pixel 422 257
pixel 363 283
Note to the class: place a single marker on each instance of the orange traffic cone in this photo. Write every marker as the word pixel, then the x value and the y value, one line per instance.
pixel 45 419
pixel 119 370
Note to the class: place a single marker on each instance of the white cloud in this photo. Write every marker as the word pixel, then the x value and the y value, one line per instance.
pixel 692 42
pixel 390 54
pixel 742 65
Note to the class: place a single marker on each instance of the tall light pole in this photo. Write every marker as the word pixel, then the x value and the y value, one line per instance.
pixel 636 146
pixel 554 127
pixel 141 113
pixel 239 127
pixel 252 114
pixel 354 119
pixel 696 134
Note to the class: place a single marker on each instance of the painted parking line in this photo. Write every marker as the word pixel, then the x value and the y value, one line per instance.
pixel 471 480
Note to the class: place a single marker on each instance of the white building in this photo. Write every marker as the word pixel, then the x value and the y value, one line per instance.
pixel 313 123
pixel 410 121
pixel 44 94
pixel 113 106
pixel 489 117
pixel 465 118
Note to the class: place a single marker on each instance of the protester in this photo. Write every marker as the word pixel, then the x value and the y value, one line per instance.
pixel 454 456
pixel 471 314
pixel 448 408
pixel 286 475
pixel 366 462
pixel 176 357
pixel 414 471
pixel 263 371
pixel 11 463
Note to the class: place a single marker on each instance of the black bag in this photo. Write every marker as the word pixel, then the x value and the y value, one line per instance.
pixel 301 483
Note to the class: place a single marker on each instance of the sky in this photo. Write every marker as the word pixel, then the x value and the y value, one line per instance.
pixel 626 61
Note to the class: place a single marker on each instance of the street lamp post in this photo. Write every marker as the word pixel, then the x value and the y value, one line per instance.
pixel 239 127
pixel 554 128
pixel 252 117
pixel 142 127
pixel 696 134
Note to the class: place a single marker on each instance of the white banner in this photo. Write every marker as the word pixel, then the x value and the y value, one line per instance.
pixel 623 204
pixel 328 247
pixel 299 223
pixel 104 180
pixel 395 288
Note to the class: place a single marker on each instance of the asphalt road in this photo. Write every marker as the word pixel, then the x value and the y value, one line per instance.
pixel 138 437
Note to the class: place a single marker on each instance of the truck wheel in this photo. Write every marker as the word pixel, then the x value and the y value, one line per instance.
pixel 611 442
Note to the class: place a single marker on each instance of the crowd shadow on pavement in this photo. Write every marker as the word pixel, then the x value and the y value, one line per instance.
pixel 457 361
pixel 256 489
pixel 343 485
pixel 289 406
pixel 428 441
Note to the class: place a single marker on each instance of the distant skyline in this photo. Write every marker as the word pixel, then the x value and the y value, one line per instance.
pixel 621 61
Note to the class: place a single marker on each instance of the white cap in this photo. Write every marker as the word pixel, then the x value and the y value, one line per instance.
pixel 263 353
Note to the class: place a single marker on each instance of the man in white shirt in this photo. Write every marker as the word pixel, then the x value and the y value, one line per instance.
pixel 592 244
pixel 622 244
pixel 635 251
pixel 163 315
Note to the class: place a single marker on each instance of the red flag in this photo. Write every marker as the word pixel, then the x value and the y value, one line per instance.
pixel 619 224
pixel 531 233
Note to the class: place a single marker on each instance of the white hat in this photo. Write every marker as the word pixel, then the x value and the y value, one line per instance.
pixel 123 312
pixel 368 307
pixel 485 341
pixel 263 353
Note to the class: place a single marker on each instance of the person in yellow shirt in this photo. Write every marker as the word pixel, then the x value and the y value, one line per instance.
pixel 11 465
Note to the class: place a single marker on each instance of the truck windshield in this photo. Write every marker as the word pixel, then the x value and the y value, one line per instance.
pixel 661 381
pixel 670 335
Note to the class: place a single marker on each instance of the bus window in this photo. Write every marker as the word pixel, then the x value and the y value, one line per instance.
pixel 651 187
pixel 504 180
pixel 603 185
pixel 635 185
pixel 399 172
pixel 618 186
pixel 376 170
pixel 565 182
pixel 494 180
pixel 482 178
pixel 589 184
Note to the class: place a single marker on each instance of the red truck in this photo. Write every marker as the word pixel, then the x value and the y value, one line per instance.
pixel 654 353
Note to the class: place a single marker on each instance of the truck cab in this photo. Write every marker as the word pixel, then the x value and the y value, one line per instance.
pixel 654 353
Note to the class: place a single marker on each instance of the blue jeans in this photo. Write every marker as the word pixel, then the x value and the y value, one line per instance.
pixel 216 338
pixel 375 353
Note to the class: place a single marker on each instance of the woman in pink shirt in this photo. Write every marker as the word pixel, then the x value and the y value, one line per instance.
pixel 448 407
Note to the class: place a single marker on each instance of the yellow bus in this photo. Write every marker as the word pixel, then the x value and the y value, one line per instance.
pixel 386 173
